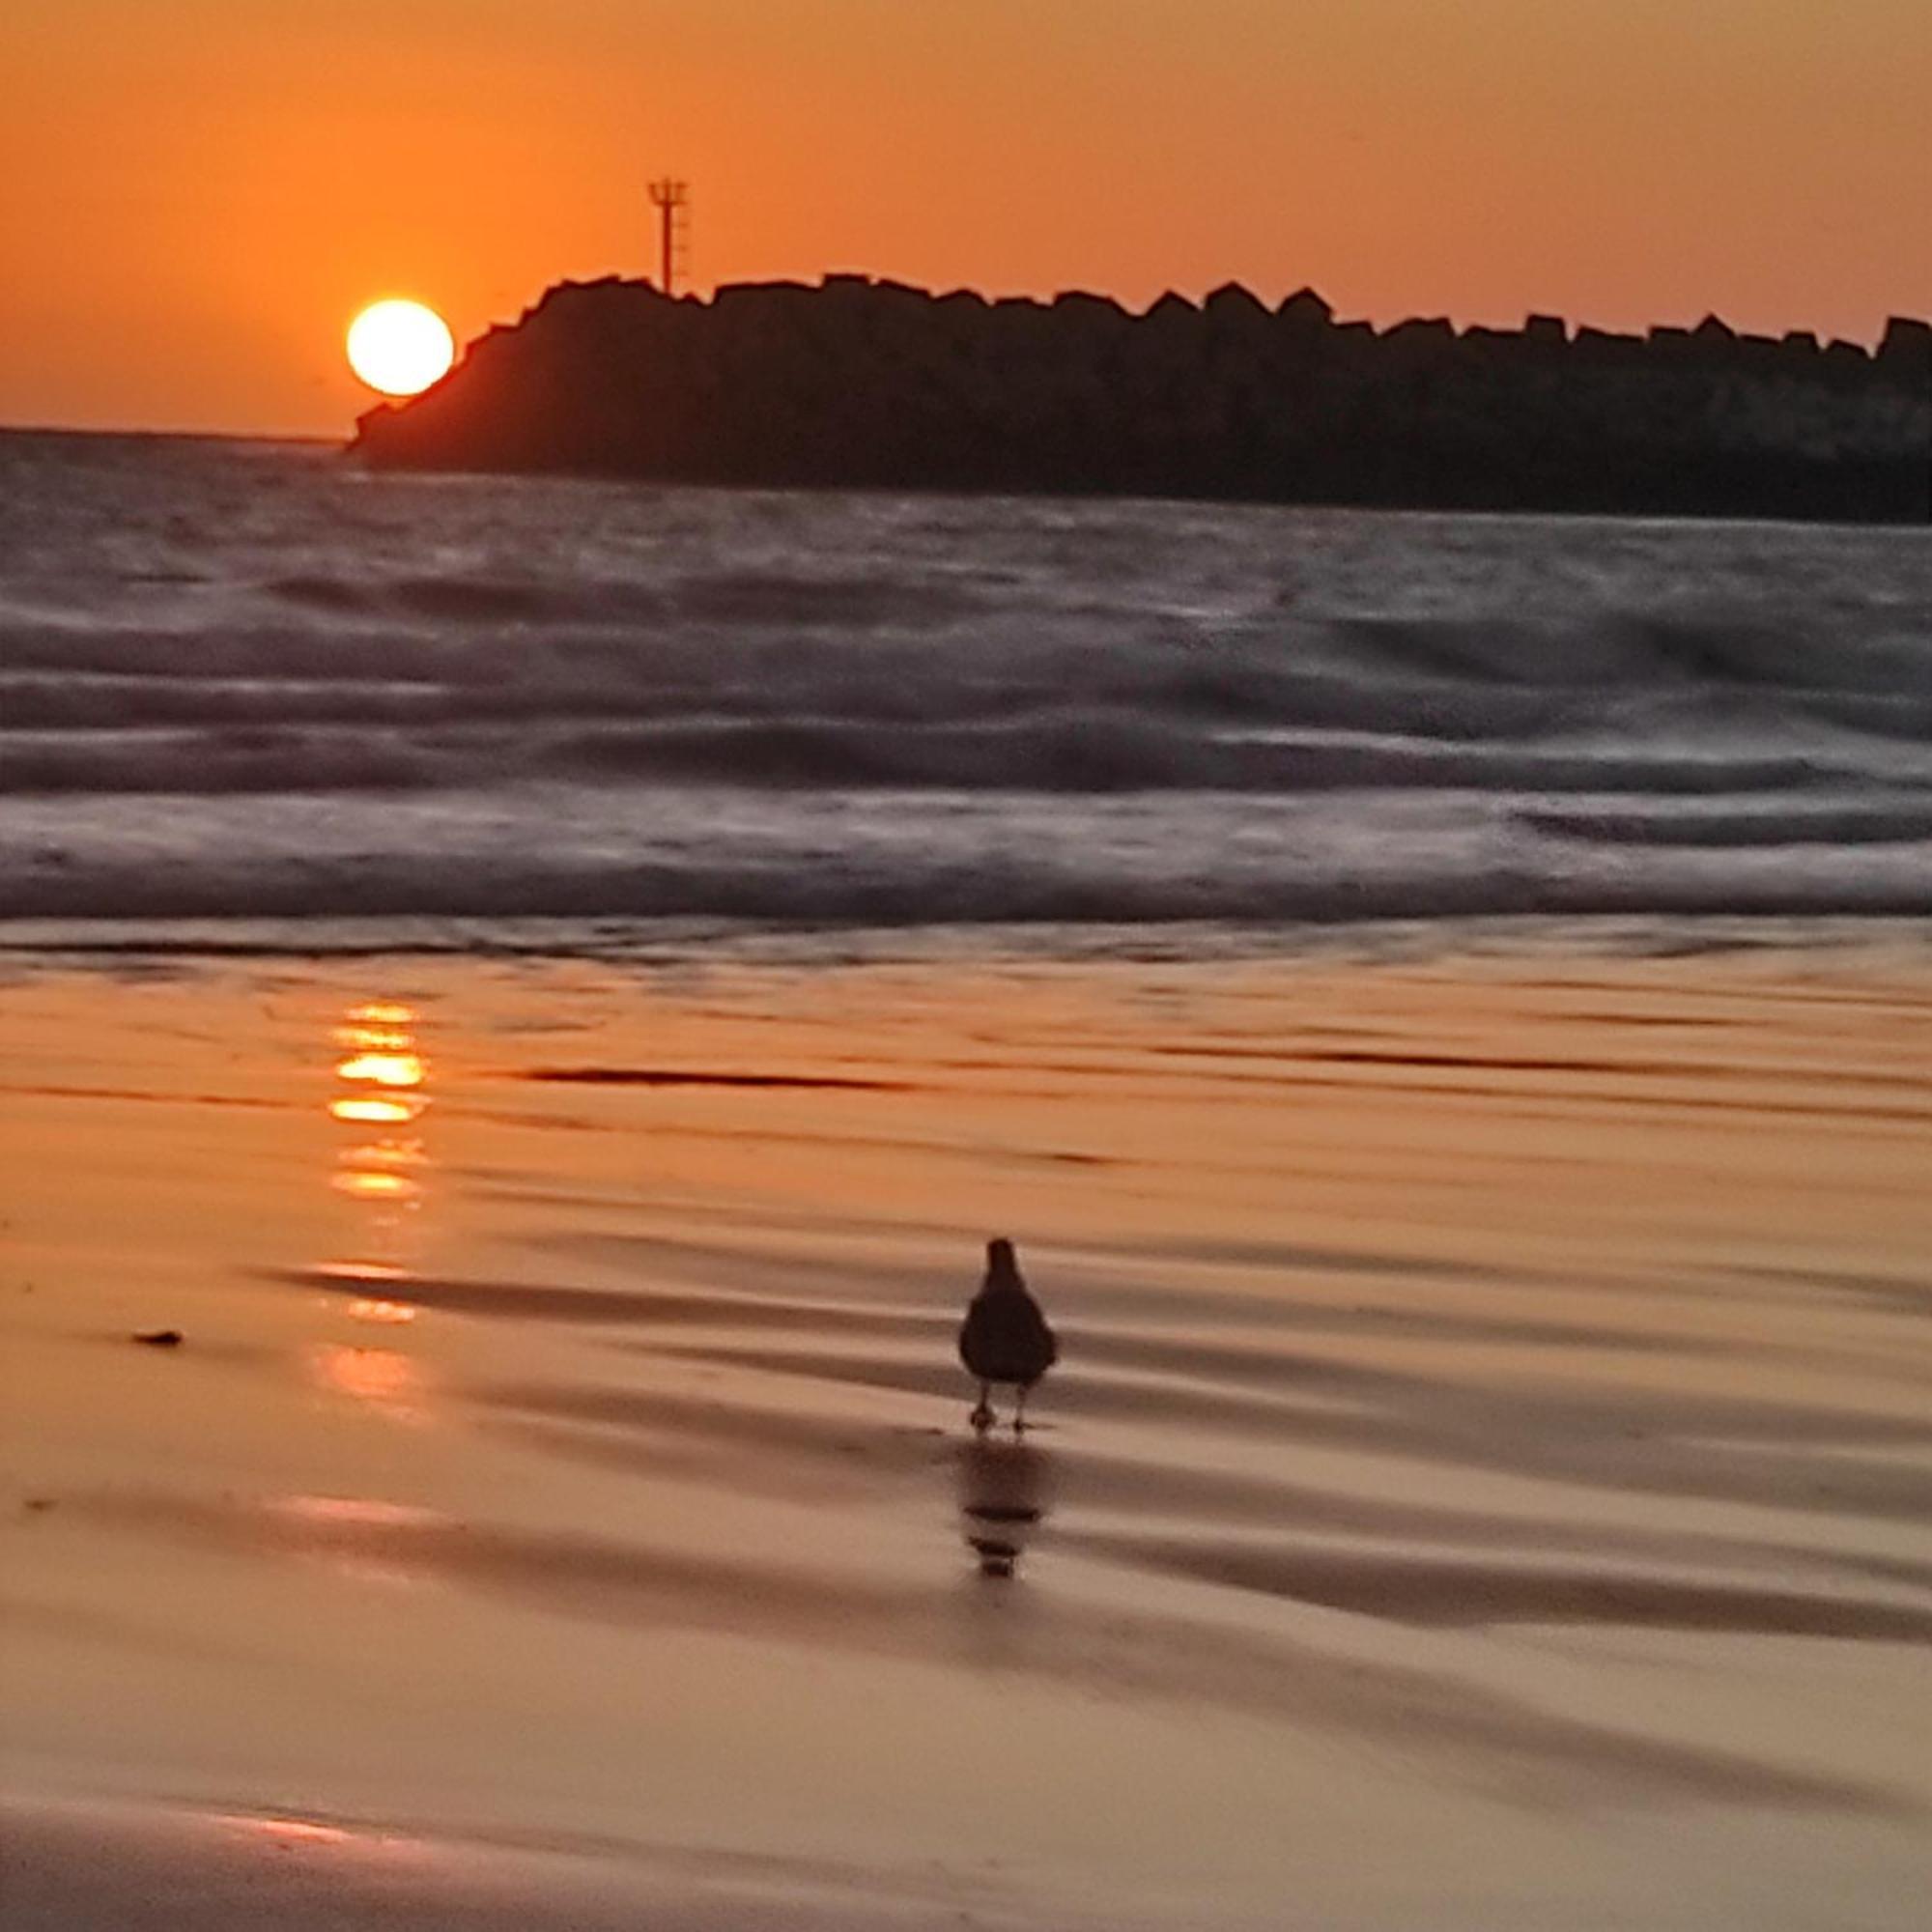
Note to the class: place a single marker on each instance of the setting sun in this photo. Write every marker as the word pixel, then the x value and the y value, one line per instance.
pixel 400 347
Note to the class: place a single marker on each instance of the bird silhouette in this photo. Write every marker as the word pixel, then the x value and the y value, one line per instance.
pixel 1004 1337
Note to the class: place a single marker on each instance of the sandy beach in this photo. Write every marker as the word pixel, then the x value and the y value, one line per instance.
pixel 1485 1483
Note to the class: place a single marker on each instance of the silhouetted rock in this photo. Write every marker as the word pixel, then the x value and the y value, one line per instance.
pixel 1905 355
pixel 866 382
pixel 1305 309
pixel 1606 345
pixel 1409 344
pixel 1234 313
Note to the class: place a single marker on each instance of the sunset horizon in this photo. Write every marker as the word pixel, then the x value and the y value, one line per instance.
pixel 358 398
pixel 270 175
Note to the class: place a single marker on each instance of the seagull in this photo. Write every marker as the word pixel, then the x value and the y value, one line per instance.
pixel 1004 1337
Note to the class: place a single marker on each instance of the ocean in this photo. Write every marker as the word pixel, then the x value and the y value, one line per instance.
pixel 248 682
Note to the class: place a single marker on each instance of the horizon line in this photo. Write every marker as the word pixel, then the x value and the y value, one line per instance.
pixel 1868 345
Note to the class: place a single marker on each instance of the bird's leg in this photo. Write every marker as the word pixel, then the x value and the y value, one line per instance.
pixel 1019 1411
pixel 981 1417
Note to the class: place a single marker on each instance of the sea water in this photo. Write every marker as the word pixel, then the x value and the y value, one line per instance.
pixel 249 683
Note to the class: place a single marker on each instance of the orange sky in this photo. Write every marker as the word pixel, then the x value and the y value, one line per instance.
pixel 196 195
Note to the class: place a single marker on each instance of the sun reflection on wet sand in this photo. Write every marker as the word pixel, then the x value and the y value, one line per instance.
pixel 392 1314
pixel 320 1523
pixel 389 1033
pixel 390 1152
pixel 358 1842
pixel 285 1831
pixel 375 1185
pixel 382 1052
pixel 383 1012
pixel 380 1110
pixel 379 1376
pixel 383 1072
pixel 361 1270
pixel 358 1512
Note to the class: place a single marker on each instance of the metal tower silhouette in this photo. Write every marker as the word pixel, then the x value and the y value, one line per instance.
pixel 673 200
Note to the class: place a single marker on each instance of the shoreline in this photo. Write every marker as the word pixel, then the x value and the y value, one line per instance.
pixel 1634 937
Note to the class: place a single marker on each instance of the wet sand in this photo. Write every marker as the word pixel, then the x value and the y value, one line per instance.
pixel 1489 1481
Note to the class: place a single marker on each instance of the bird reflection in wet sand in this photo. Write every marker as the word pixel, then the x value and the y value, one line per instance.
pixel 1003 1496
pixel 1004 1337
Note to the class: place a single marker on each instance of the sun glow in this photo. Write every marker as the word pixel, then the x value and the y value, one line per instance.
pixel 400 347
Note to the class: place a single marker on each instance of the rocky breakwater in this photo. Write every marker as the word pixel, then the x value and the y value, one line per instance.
pixel 858 383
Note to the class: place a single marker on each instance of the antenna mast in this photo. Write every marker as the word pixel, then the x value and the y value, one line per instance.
pixel 673 200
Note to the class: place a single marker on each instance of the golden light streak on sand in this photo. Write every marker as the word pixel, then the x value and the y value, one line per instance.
pixel 287 1831
pixel 383 1175
pixel 363 1270
pixel 358 1512
pixel 379 1376
pixel 383 1012
pixel 377 1110
pixel 376 1185
pixel 383 1070
pixel 374 1039
pixel 393 1313
pixel 390 1153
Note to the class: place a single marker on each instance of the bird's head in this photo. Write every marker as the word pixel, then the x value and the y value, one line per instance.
pixel 1001 1266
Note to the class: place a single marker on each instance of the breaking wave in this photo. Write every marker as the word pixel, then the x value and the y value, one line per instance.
pixel 236 679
